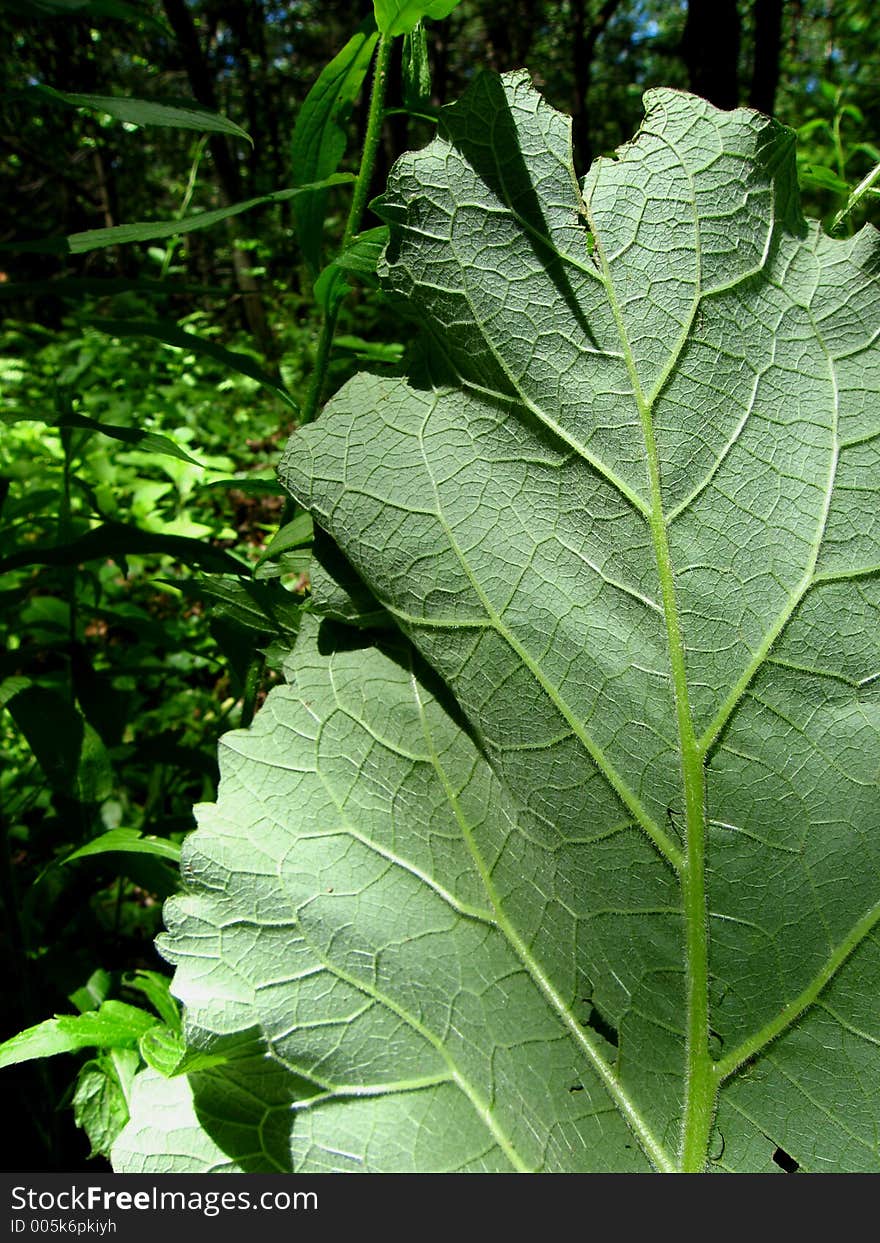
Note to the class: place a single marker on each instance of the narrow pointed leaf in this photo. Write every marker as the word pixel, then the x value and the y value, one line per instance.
pixel 153 230
pixel 320 136
pixel 148 442
pixel 118 539
pixel 865 186
pixel 170 114
pixel 126 841
pixel 170 333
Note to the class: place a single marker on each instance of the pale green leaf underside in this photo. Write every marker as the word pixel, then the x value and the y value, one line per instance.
pixel 627 511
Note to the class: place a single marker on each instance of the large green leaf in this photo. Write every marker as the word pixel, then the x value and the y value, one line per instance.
pixel 579 869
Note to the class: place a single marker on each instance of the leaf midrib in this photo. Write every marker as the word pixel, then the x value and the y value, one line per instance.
pixel 653 1149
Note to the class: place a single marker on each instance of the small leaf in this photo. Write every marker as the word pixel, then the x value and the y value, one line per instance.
pixel 156 989
pixel 363 254
pixel 250 485
pixel 166 1051
pixel 93 992
pixel 297 533
pixel 74 760
pixel 261 608
pixel 370 351
pixel 331 290
pixel 290 550
pixel 817 177
pixel 360 259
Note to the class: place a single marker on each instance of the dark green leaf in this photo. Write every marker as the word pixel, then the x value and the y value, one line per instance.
pixel 360 259
pixel 148 442
pixel 297 533
pixel 320 135
pixel 331 290
pixel 172 114
pixel 170 334
pixel 153 230
pixel 70 753
pixel 815 177
pixel 117 540
pixel 265 609
pixel 250 485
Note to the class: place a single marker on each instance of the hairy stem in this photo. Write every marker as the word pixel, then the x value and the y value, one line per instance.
pixel 700 1082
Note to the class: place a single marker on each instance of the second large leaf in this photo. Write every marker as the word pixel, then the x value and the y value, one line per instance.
pixel 625 511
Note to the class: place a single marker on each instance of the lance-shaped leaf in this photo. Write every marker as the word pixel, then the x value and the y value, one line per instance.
pixel 172 114
pixel 586 874
pixel 320 135
pixel 153 230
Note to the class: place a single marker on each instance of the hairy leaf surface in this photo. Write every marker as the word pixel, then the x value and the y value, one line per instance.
pixel 577 866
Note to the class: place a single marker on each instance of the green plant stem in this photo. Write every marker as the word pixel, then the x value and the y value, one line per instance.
pixel 175 242
pixel 12 910
pixel 701 1087
pixel 356 211
pixel 251 691
pixel 840 156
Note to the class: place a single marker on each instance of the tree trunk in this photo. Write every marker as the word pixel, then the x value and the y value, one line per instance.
pixel 510 27
pixel 202 85
pixel 583 51
pixel 710 48
pixel 768 47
